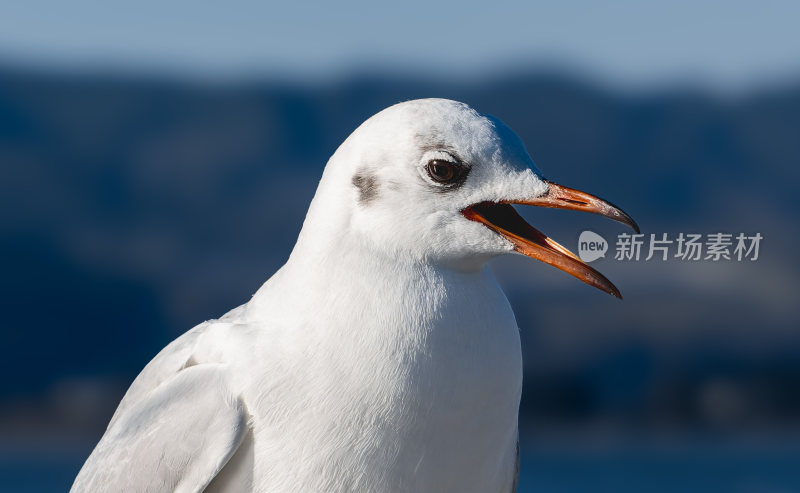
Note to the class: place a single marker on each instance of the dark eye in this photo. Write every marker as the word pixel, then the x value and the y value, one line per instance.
pixel 444 171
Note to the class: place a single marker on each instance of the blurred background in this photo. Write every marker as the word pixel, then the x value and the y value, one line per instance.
pixel 145 149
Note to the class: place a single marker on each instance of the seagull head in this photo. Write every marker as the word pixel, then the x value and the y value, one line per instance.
pixel 435 180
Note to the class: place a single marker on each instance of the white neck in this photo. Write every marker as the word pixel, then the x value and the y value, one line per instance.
pixel 420 359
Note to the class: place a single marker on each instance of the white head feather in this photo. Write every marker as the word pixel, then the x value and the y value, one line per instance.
pixel 376 187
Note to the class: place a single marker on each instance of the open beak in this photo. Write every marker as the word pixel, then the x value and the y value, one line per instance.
pixel 527 240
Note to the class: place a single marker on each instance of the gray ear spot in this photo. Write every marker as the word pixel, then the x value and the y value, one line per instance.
pixel 367 186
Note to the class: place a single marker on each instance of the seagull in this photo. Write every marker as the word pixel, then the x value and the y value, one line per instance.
pixel 383 356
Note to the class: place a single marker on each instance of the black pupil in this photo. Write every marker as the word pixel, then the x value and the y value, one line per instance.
pixel 442 170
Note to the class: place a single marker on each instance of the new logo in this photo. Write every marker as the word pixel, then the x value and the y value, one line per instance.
pixel 591 246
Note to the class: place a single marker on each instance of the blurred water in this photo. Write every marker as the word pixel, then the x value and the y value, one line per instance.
pixel 39 474
pixel 687 466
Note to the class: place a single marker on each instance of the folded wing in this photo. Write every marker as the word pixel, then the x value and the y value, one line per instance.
pixel 178 437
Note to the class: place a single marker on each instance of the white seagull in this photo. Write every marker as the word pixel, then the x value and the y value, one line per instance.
pixel 383 356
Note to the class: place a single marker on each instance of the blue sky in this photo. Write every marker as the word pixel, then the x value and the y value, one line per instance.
pixel 732 43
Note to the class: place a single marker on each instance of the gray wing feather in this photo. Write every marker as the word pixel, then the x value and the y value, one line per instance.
pixel 177 437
